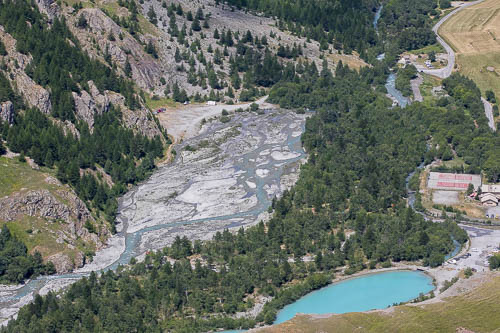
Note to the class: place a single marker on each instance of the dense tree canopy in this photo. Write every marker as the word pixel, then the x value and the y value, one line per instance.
pixel 347 210
pixel 16 264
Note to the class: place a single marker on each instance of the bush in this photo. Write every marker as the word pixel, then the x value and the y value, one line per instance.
pixel 494 261
pixel 490 96
pixel 447 284
pixel 254 106
pixel 386 264
pixel 189 148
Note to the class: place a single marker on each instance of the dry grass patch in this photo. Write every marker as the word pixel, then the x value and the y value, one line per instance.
pixel 474 34
pixel 353 61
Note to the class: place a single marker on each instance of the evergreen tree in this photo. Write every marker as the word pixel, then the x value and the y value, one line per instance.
pixel 199 14
pixel 3 50
pixel 196 25
pixel 152 15
pixel 82 22
pixel 128 69
pixel 2 149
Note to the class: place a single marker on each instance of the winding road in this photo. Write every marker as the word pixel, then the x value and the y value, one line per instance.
pixel 445 72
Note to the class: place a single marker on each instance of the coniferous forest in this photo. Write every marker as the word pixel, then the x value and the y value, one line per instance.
pixel 354 180
pixel 348 208
pixel 64 68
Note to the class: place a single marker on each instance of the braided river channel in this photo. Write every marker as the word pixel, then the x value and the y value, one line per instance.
pixel 224 178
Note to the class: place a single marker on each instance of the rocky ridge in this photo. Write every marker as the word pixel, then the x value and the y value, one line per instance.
pixel 33 94
pixel 60 207
pixel 7 112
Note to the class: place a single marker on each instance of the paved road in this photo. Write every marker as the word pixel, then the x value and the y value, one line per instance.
pixel 444 72
pixel 488 109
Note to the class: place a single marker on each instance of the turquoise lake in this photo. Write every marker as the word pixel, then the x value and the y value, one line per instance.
pixel 375 291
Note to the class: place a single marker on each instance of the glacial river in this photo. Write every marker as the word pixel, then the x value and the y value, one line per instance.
pixel 226 177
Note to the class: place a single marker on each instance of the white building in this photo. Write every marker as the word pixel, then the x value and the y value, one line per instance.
pixel 489 199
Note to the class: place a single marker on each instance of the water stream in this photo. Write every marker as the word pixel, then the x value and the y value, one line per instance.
pixel 228 182
pixel 391 90
pixel 377 17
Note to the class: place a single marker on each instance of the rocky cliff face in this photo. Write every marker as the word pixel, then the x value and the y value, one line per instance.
pixel 146 72
pixel 66 215
pixel 7 112
pixel 49 8
pixel 34 94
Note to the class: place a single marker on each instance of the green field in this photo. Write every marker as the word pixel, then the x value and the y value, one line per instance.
pixel 15 176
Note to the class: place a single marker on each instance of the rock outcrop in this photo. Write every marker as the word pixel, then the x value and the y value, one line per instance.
pixel 64 264
pixel 44 204
pixel 146 72
pixel 34 94
pixel 138 120
pixel 7 112
pixel 85 107
pixel 49 8
pixel 60 206
pixel 88 105
pixel 68 127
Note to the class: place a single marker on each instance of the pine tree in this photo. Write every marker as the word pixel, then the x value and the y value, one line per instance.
pixel 128 69
pixel 152 15
pixel 179 10
pixel 229 38
pixel 150 48
pixel 2 149
pixel 199 14
pixel 177 56
pixel 3 50
pixel 196 25
pixel 217 56
pixel 73 173
pixel 230 92
pixel 82 22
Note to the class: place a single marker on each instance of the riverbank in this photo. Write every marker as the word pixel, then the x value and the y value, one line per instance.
pixel 222 176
